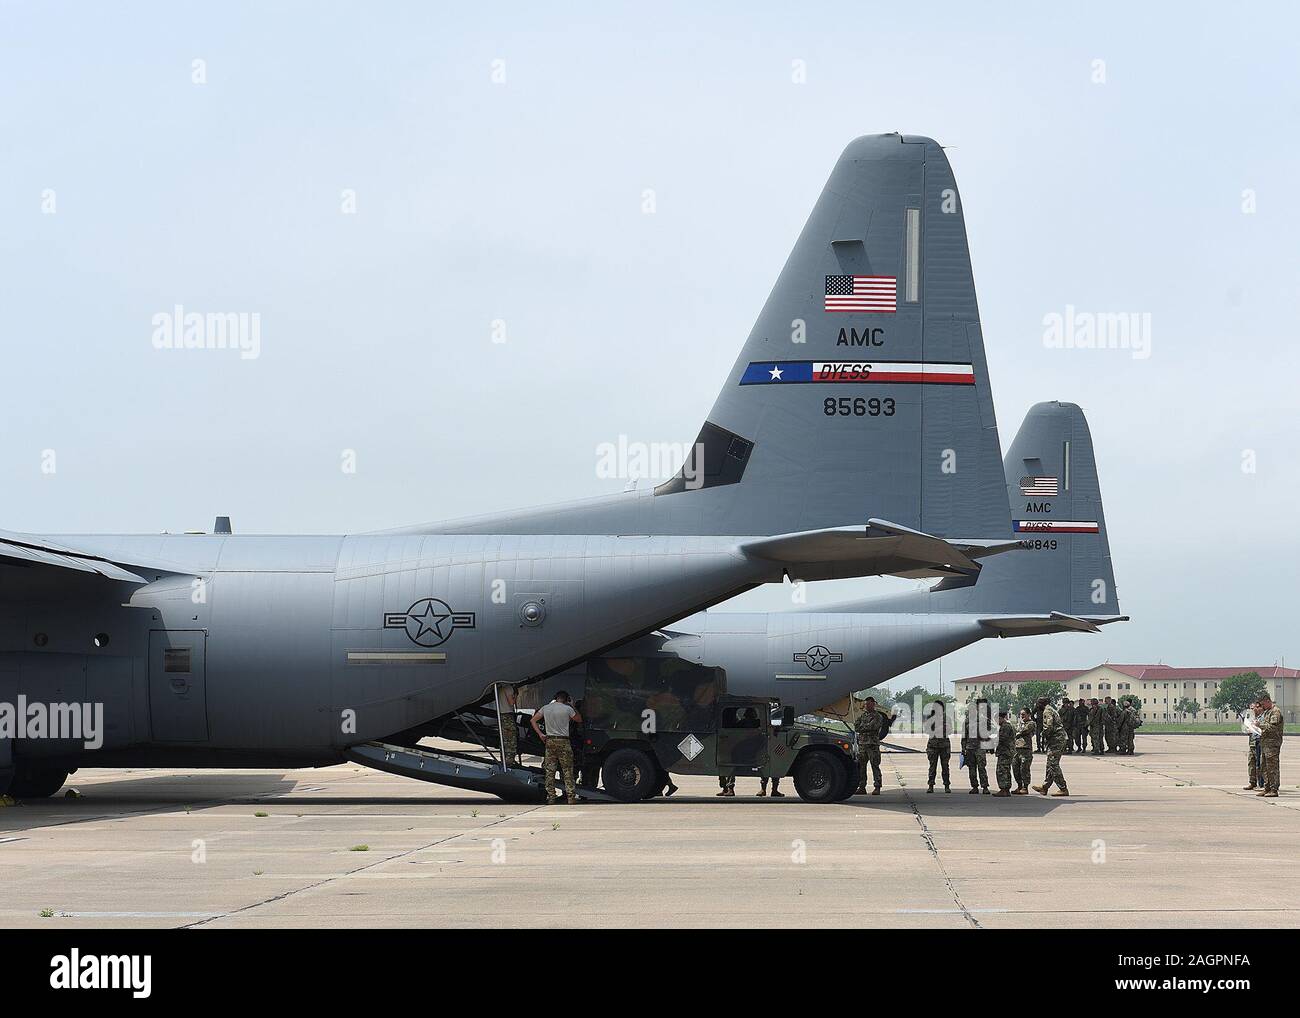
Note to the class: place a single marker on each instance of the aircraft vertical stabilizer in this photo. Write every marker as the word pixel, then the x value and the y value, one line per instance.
pixel 861 392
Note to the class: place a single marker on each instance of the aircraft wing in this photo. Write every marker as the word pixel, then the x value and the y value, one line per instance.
pixel 1050 622
pixel 879 548
pixel 26 550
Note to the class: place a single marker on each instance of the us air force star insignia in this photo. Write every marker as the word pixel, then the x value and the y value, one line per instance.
pixel 818 658
pixel 429 621
pixel 690 747
pixel 775 373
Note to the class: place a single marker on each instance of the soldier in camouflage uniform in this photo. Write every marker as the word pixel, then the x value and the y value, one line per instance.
pixel 937 747
pixel 972 746
pixel 556 715
pixel 1006 751
pixel 1253 754
pixel 1110 725
pixel 509 727
pixel 1129 722
pixel 1080 733
pixel 1067 722
pixel 1095 727
pixel 1024 757
pixel 1038 729
pixel 1271 725
pixel 869 726
pixel 1054 736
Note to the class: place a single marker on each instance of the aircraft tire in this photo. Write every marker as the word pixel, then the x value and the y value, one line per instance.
pixel 629 775
pixel 36 782
pixel 819 777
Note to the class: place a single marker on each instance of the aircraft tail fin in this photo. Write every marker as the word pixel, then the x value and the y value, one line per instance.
pixel 861 392
pixel 1056 512
pixel 1061 577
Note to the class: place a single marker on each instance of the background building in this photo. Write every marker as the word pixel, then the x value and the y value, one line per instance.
pixel 1159 686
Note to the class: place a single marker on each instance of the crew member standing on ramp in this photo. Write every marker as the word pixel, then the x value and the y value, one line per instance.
pixel 556 715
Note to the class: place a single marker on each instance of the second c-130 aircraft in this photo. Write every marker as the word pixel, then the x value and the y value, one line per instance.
pixel 1062 581
pixel 855 436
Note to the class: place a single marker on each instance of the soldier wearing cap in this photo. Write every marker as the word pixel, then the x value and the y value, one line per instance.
pixel 1271 724
pixel 869 726
pixel 1024 757
pixel 1110 725
pixel 1067 720
pixel 1251 728
pixel 937 747
pixel 974 726
pixel 1095 724
pixel 1006 752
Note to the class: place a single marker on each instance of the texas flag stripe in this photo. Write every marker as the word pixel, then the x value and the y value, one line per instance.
pixel 884 372
pixel 1056 527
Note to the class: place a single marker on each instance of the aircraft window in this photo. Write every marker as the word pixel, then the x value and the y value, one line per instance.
pixel 176 659
pixel 912 256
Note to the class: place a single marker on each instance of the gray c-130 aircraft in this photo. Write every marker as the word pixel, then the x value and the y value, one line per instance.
pixel 828 453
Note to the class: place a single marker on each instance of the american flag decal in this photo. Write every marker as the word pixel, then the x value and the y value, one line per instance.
pixel 862 294
pixel 1040 487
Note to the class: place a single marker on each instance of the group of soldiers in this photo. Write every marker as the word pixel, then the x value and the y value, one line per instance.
pixel 1264 722
pixel 1054 731
pixel 1108 726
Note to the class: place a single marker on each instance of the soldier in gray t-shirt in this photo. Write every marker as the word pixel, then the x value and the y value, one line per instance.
pixel 556 715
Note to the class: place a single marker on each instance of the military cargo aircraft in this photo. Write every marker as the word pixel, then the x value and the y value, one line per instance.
pixel 855 436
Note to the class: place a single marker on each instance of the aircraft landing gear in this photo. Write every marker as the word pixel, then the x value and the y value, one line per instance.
pixel 36 782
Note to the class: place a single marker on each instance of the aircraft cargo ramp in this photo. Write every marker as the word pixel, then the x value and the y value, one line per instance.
pixel 460 770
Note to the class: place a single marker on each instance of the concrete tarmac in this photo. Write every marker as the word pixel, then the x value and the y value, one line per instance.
pixel 1165 838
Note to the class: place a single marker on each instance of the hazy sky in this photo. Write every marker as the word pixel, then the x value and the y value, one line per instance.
pixel 1112 158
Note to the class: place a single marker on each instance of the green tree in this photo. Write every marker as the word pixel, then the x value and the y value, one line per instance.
pixel 1237 693
pixel 908 695
pixel 1131 698
pixel 1027 694
pixel 884 698
pixel 1002 696
pixel 1186 705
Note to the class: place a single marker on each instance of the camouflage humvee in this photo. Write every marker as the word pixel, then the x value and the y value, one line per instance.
pixel 647 717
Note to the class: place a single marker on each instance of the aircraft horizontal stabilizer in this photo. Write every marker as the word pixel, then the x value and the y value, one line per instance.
pixel 21 550
pixel 879 548
pixel 1051 622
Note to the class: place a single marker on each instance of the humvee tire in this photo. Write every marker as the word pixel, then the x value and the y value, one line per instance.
pixel 852 775
pixel 819 776
pixel 629 775
pixel 36 782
